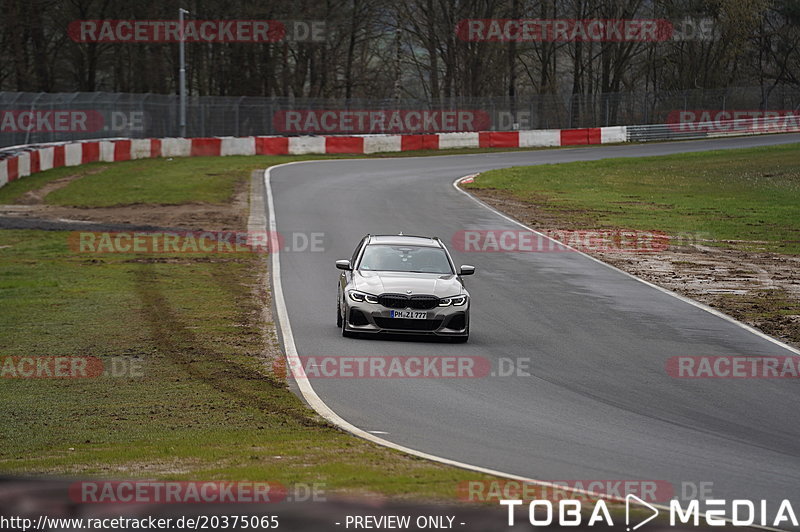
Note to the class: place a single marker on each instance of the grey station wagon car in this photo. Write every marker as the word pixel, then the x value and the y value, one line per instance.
pixel 402 284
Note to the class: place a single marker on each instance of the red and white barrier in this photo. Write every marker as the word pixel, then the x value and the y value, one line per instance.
pixel 613 134
pixel 540 138
pixel 24 161
pixel 382 143
pixel 459 140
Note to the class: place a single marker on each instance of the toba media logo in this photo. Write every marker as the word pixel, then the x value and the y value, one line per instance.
pixel 716 512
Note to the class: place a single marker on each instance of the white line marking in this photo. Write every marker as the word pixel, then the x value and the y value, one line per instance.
pixel 662 289
pixel 304 383
pixel 325 411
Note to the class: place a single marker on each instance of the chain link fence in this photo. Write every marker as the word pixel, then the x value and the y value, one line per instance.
pixel 27 118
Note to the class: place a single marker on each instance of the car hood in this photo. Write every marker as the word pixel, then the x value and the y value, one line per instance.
pixel 378 283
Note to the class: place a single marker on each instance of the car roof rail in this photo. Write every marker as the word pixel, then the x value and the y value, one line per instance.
pixel 412 236
pixel 434 238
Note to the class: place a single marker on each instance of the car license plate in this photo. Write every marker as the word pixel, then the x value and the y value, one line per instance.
pixel 409 314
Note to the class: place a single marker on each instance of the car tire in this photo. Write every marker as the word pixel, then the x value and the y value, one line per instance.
pixel 338 313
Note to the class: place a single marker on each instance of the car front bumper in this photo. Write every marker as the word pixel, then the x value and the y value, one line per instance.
pixel 375 318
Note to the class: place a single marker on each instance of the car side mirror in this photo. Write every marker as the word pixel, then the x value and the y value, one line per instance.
pixel 343 265
pixel 466 270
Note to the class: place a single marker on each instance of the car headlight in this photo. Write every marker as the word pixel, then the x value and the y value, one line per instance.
pixel 456 301
pixel 361 297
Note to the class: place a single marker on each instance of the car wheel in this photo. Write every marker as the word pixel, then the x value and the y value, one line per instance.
pixel 338 313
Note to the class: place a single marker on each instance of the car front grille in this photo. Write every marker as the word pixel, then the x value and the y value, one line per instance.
pixel 393 300
pixel 423 302
pixel 403 324
pixel 402 301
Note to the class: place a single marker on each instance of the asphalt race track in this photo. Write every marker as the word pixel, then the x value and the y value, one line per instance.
pixel 598 403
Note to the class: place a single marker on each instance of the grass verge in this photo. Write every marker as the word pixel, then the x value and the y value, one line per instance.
pixel 172 181
pixel 733 217
pixel 747 199
pixel 203 403
pixel 197 398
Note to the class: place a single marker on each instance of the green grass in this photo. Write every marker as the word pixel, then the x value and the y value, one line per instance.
pixel 207 405
pixel 158 181
pixel 14 190
pixel 751 195
pixel 172 181
pixel 161 181
pixel 209 180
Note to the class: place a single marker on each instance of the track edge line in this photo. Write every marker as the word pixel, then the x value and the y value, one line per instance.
pixel 683 298
pixel 319 406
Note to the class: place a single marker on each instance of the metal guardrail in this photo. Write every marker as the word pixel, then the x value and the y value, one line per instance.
pixel 156 115
pixel 716 128
pixel 636 133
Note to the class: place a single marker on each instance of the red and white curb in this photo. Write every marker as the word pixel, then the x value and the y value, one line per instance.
pixel 22 161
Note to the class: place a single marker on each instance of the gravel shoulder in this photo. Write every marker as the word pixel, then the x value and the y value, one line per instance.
pixel 761 289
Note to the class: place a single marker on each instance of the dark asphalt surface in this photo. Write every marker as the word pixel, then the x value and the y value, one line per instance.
pixel 599 403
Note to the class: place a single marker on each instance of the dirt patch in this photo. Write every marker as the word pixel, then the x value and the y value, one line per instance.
pixel 36 197
pixel 191 216
pixel 757 288
pixel 760 289
pixel 243 383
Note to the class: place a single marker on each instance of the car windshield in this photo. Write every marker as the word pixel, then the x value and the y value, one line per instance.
pixel 403 258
